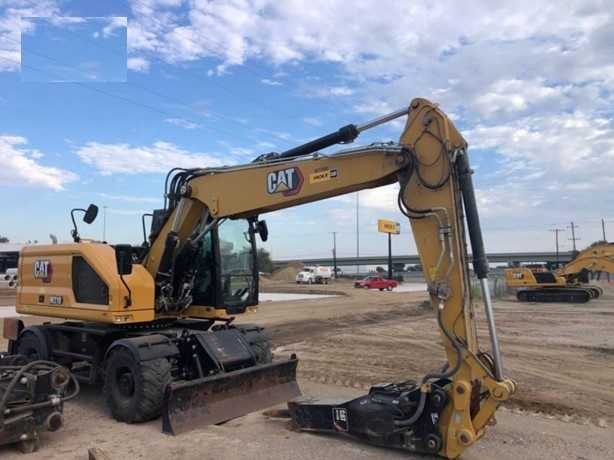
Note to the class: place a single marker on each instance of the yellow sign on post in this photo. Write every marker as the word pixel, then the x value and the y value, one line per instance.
pixel 388 226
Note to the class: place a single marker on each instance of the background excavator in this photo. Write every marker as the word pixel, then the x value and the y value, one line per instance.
pixel 565 284
pixel 155 322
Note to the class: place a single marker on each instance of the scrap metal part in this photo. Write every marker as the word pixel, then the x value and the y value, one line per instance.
pixel 32 395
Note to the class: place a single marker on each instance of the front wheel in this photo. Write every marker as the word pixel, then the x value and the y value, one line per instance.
pixel 308 280
pixel 389 288
pixel 135 390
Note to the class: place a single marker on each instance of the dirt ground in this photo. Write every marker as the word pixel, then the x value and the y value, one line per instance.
pixel 561 355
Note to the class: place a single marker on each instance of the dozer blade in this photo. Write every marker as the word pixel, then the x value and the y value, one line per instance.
pixel 189 404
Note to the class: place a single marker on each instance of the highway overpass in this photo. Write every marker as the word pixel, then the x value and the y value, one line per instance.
pixel 494 258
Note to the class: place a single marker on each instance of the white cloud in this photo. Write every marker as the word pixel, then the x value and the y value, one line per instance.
pixel 312 121
pixel 129 198
pixel 14 22
pixel 266 81
pixel 530 84
pixel 160 157
pixel 186 124
pixel 21 168
pixel 114 23
pixel 138 64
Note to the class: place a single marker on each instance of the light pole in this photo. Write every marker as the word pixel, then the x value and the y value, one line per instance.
pixel 104 224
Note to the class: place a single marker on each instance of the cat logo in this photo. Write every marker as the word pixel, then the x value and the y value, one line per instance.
pixel 43 270
pixel 285 181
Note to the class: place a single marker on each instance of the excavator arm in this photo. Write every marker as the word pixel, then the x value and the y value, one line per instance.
pixel 595 258
pixel 449 410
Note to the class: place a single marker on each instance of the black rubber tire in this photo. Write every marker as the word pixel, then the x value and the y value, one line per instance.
pixel 389 288
pixel 381 289
pixel 308 280
pixel 260 343
pixel 135 390
pixel 29 345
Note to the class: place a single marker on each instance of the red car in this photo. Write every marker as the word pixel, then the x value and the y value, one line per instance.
pixel 375 282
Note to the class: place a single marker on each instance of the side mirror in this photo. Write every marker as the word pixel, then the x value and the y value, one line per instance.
pixel 123 259
pixel 262 230
pixel 90 214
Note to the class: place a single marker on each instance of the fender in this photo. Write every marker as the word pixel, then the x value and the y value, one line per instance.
pixel 147 347
pixel 39 333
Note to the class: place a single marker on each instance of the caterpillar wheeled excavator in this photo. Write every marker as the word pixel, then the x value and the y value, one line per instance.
pixel 155 322
pixel 566 284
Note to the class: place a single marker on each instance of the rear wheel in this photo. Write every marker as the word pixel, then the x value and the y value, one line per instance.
pixel 135 390
pixel 31 346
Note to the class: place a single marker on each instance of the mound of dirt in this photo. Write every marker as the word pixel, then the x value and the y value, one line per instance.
pixel 287 273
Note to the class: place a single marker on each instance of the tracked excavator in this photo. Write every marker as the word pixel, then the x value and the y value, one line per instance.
pixel 155 322
pixel 566 284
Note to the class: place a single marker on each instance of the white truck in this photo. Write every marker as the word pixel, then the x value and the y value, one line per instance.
pixel 312 275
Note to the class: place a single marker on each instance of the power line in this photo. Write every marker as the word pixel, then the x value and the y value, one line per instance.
pixel 199 77
pixel 156 93
pixel 130 101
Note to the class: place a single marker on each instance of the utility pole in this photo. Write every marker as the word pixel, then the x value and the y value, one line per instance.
pixel 603 230
pixel 557 230
pixel 335 254
pixel 573 236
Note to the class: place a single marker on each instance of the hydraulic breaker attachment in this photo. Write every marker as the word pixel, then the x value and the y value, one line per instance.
pixel 31 398
pixel 222 397
pixel 390 415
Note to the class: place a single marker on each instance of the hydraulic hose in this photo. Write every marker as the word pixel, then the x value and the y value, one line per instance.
pixel 402 424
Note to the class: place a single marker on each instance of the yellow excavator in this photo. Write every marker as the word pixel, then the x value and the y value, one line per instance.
pixel 155 322
pixel 566 284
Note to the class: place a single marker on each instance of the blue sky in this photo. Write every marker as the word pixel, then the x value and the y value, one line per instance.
pixel 100 98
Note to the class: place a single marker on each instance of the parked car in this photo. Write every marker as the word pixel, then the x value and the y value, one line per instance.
pixel 375 282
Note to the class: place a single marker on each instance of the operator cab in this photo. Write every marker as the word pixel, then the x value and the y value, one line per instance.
pixel 219 261
pixel 227 274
